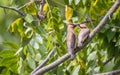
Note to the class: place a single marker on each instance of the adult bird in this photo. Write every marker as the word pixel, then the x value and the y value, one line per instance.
pixel 83 34
pixel 71 39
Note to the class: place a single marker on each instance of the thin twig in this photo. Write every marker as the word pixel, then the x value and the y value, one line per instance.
pixel 115 27
pixel 28 4
pixel 107 61
pixel 116 72
pixel 23 6
pixel 14 9
pixel 44 62
pixel 88 21
pixel 92 34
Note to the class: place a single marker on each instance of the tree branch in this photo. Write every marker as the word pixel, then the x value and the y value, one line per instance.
pixel 116 72
pixel 14 9
pixel 40 13
pixel 44 62
pixel 92 34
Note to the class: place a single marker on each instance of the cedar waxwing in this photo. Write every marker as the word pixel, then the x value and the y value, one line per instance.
pixel 83 34
pixel 71 38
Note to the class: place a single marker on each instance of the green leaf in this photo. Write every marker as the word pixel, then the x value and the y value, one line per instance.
pixel 29 18
pixel 97 69
pixel 104 29
pixel 38 57
pixel 25 41
pixel 21 67
pixel 84 2
pixel 7 53
pixel 31 50
pixel 76 70
pixel 42 50
pixel 34 44
pixel 17 27
pixel 77 1
pixel 11 45
pixel 12 60
pixel 66 2
pixel 31 63
pixel 16 24
pixel 118 43
pixel 38 38
pixel 49 42
pixel 110 35
pixel 92 56
pixel 70 2
pixel 5 72
pixel 109 66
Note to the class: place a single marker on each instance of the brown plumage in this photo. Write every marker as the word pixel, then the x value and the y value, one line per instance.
pixel 83 34
pixel 71 38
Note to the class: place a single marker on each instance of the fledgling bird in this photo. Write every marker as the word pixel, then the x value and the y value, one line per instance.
pixel 71 38
pixel 83 34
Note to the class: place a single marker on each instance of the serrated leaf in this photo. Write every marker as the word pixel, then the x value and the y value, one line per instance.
pixel 38 38
pixel 76 70
pixel 12 60
pixel 38 57
pixel 42 50
pixel 31 63
pixel 92 56
pixel 29 18
pixel 77 1
pixel 31 50
pixel 34 44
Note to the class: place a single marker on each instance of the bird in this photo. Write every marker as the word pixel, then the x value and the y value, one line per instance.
pixel 83 34
pixel 71 39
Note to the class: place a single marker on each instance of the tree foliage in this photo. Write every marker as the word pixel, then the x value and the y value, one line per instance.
pixel 25 41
